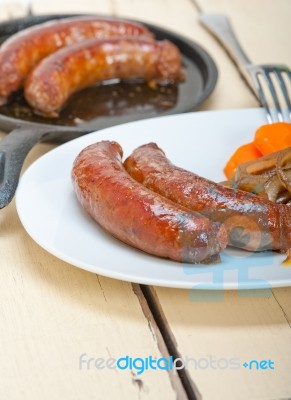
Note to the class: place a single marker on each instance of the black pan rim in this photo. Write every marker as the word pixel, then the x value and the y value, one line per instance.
pixel 210 68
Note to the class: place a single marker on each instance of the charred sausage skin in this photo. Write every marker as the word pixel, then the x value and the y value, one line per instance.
pixel 138 216
pixel 72 68
pixel 21 52
pixel 253 223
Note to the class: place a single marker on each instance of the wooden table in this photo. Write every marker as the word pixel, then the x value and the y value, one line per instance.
pixel 52 313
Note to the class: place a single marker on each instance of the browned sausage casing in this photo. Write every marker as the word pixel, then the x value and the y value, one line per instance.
pixel 253 222
pixel 70 69
pixel 22 51
pixel 138 216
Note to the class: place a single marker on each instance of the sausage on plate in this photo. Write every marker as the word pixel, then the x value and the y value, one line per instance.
pixel 22 51
pixel 136 215
pixel 253 223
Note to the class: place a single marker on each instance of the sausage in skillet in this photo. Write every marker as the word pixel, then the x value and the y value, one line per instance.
pixel 72 68
pixel 21 52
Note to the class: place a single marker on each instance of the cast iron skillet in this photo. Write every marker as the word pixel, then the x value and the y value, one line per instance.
pixel 99 106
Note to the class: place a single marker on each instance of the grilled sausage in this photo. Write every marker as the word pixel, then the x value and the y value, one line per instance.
pixel 70 69
pixel 138 216
pixel 253 223
pixel 22 51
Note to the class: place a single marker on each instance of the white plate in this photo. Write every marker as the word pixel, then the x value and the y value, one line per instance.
pixel 201 142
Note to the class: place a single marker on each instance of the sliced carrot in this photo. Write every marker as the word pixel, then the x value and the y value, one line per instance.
pixel 244 153
pixel 273 137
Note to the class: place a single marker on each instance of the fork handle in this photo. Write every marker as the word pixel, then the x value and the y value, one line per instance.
pixel 220 26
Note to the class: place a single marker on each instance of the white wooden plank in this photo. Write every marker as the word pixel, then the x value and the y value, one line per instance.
pixel 71 6
pixel 230 331
pixel 11 10
pixel 52 312
pixel 263 27
pixel 283 298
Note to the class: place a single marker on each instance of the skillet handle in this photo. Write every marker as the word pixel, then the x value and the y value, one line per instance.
pixel 13 150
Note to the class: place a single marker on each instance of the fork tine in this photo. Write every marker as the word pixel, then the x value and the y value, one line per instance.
pixel 261 74
pixel 261 94
pixel 266 72
pixel 278 74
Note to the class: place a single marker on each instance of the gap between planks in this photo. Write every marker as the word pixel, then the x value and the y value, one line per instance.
pixel 176 383
pixel 157 322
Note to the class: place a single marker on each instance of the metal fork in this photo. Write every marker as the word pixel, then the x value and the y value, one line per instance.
pixel 270 82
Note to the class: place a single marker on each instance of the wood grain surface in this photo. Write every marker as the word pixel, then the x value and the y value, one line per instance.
pixel 51 312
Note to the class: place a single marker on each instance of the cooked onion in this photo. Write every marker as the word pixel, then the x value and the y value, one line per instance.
pixel 268 176
pixel 283 165
pixel 273 187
